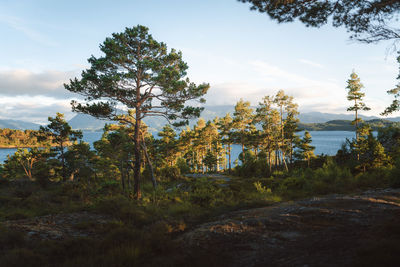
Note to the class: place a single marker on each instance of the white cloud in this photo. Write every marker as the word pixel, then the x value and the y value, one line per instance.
pixel 229 93
pixel 283 77
pixel 24 82
pixel 30 96
pixel 311 63
pixel 302 88
pixel 33 109
pixel 325 95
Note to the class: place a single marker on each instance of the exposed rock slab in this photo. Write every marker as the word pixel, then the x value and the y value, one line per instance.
pixel 326 231
pixel 60 226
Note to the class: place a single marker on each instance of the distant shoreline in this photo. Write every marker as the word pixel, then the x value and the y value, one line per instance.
pixel 11 146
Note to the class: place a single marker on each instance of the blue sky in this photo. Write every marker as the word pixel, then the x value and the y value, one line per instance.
pixel 241 53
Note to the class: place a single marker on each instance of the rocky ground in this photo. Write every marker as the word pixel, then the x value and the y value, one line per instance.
pixel 60 226
pixel 361 230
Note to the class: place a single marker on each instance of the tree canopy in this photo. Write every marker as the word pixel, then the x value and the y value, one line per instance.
pixel 367 20
pixel 395 105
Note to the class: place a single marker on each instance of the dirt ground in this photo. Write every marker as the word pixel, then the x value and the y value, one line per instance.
pixel 336 230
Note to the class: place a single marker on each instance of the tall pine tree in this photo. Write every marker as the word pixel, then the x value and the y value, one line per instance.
pixel 138 73
pixel 355 95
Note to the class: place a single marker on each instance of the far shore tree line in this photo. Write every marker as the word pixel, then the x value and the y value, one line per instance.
pixel 11 138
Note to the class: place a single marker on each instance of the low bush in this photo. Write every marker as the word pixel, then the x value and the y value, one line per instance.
pixel 170 173
pixel 10 239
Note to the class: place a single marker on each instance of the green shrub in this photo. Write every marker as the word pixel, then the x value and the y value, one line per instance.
pixel 109 187
pixel 123 209
pixel 262 189
pixel 207 194
pixel 11 238
pixel 4 182
pixel 24 189
pixel 111 205
pixel 21 257
pixel 394 177
pixel 170 173
pixel 120 237
pixel 292 187
pixel 183 166
pixel 373 179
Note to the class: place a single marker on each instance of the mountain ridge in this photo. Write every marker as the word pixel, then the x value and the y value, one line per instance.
pixel 18 125
pixel 89 123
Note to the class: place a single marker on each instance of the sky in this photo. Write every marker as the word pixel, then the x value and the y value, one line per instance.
pixel 241 53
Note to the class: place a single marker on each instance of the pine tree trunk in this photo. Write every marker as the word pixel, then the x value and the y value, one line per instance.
pixel 243 158
pixel 358 154
pixel 64 174
pixel 229 155
pixel 291 151
pixel 356 124
pixel 128 177
pixel 153 179
pixel 269 162
pixel 284 161
pixel 122 175
pixel 136 186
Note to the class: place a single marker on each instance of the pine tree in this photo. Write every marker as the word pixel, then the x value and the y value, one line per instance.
pixel 371 153
pixel 168 144
pixel 395 106
pixel 186 146
pixel 305 151
pixel 61 135
pixel 225 127
pixel 268 118
pixel 355 95
pixel 200 146
pixel 134 72
pixel 242 122
pixel 291 126
pixel 288 109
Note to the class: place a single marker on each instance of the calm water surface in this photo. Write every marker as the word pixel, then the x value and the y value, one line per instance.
pixel 325 142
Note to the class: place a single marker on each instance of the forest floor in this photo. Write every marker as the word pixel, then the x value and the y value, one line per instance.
pixel 335 230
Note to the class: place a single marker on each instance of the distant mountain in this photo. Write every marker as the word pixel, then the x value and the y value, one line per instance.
pixel 89 123
pixel 86 122
pixel 395 119
pixel 210 112
pixel 18 125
